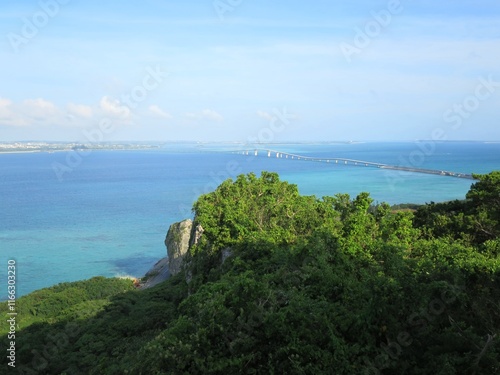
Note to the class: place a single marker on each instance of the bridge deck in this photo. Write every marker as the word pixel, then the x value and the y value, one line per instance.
pixel 286 155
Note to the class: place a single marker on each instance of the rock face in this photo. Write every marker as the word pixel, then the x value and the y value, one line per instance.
pixel 180 237
pixel 156 275
pixel 195 235
pixel 177 242
pixel 226 253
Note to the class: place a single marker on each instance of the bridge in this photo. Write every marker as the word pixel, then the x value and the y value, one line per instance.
pixel 353 162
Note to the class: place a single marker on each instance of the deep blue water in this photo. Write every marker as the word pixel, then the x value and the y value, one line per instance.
pixel 109 215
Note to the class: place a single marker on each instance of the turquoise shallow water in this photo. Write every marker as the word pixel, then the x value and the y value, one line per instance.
pixel 110 214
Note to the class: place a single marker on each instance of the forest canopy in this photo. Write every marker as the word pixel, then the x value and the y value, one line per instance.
pixel 285 283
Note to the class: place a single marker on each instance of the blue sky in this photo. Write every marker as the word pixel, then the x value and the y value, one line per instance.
pixel 209 70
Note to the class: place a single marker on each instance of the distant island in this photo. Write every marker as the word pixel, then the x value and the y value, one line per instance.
pixel 10 147
pixel 55 146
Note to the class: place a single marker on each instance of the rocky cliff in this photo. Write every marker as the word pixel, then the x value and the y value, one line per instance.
pixel 177 243
pixel 180 237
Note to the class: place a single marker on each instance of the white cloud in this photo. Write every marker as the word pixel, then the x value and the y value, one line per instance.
pixel 157 111
pixel 28 112
pixel 113 107
pixel 79 110
pixel 5 108
pixel 265 115
pixel 212 115
pixel 39 109
pixel 8 114
pixel 206 114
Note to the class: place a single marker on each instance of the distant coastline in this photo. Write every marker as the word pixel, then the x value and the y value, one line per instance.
pixel 32 147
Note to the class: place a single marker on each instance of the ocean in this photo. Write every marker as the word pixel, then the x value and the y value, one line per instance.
pixel 67 217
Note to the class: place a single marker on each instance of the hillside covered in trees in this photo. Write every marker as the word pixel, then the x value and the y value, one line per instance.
pixel 307 285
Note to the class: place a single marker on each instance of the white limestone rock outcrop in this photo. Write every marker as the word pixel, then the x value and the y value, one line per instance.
pixel 177 242
pixel 180 237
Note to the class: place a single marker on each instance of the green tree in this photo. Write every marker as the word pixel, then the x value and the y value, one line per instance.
pixel 485 199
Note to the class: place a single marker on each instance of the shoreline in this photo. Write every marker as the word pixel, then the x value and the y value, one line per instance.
pixel 79 149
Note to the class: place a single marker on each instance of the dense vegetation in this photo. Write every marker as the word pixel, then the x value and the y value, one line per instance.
pixel 287 284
